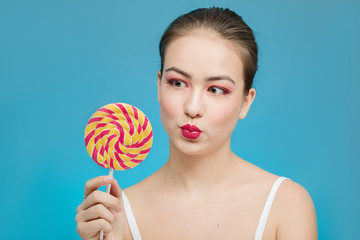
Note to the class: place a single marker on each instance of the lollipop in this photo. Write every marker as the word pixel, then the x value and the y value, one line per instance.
pixel 118 136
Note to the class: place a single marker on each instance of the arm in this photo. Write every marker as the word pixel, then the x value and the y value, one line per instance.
pixel 297 217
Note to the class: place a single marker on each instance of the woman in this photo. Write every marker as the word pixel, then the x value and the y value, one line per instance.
pixel 203 191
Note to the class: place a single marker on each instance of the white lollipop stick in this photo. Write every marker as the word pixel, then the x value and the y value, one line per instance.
pixel 111 172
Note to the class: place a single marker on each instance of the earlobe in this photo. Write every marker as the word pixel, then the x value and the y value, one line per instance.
pixel 243 113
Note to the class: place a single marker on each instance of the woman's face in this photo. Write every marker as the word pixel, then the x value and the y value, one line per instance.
pixel 201 92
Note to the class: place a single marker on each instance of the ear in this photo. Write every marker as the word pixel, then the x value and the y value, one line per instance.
pixel 247 103
pixel 158 84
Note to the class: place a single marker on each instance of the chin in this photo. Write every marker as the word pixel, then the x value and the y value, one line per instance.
pixel 190 148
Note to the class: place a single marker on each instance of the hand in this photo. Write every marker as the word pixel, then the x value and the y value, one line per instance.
pixel 101 211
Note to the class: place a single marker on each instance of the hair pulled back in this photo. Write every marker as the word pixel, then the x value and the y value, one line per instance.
pixel 224 22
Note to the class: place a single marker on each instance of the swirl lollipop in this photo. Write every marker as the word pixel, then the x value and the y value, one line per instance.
pixel 118 136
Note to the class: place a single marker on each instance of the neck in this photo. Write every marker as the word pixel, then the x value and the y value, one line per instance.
pixel 198 175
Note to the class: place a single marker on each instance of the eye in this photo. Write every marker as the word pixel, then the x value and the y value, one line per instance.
pixel 177 83
pixel 217 90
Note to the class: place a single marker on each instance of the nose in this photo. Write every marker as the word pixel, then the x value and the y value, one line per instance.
pixel 194 104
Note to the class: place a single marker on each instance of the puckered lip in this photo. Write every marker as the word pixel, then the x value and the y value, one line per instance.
pixel 190 128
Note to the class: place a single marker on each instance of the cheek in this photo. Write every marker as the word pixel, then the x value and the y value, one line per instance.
pixel 227 116
pixel 168 106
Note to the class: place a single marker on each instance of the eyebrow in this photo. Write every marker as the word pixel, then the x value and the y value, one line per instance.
pixel 187 75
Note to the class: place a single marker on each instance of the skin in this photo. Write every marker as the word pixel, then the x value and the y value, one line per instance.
pixel 203 191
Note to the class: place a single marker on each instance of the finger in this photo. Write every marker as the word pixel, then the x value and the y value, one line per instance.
pixel 94 183
pixel 95 212
pixel 106 199
pixel 96 237
pixel 90 229
pixel 116 190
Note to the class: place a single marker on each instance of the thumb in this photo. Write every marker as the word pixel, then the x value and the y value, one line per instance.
pixel 115 189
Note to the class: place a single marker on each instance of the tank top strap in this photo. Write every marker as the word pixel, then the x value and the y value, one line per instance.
pixel 131 218
pixel 265 213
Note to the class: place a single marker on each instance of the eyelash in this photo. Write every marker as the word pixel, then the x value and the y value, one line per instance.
pixel 224 91
pixel 173 81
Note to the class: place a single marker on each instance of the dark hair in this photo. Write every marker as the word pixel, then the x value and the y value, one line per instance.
pixel 224 22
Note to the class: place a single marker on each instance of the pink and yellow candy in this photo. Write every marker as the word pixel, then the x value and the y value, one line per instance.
pixel 118 136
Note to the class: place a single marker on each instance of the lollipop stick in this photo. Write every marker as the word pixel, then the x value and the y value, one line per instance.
pixel 111 172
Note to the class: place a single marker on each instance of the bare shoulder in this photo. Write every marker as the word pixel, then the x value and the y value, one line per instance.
pixel 293 192
pixel 295 212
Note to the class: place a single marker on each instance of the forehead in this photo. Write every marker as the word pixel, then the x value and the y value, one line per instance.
pixel 205 54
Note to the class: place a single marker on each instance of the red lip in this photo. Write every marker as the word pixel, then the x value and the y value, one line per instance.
pixel 190 131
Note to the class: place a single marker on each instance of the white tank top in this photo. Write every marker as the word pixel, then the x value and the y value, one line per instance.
pixel 259 230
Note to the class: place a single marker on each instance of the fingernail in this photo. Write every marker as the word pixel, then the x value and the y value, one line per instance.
pixel 118 209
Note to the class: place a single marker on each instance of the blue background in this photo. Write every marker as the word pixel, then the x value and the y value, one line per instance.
pixel 62 60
